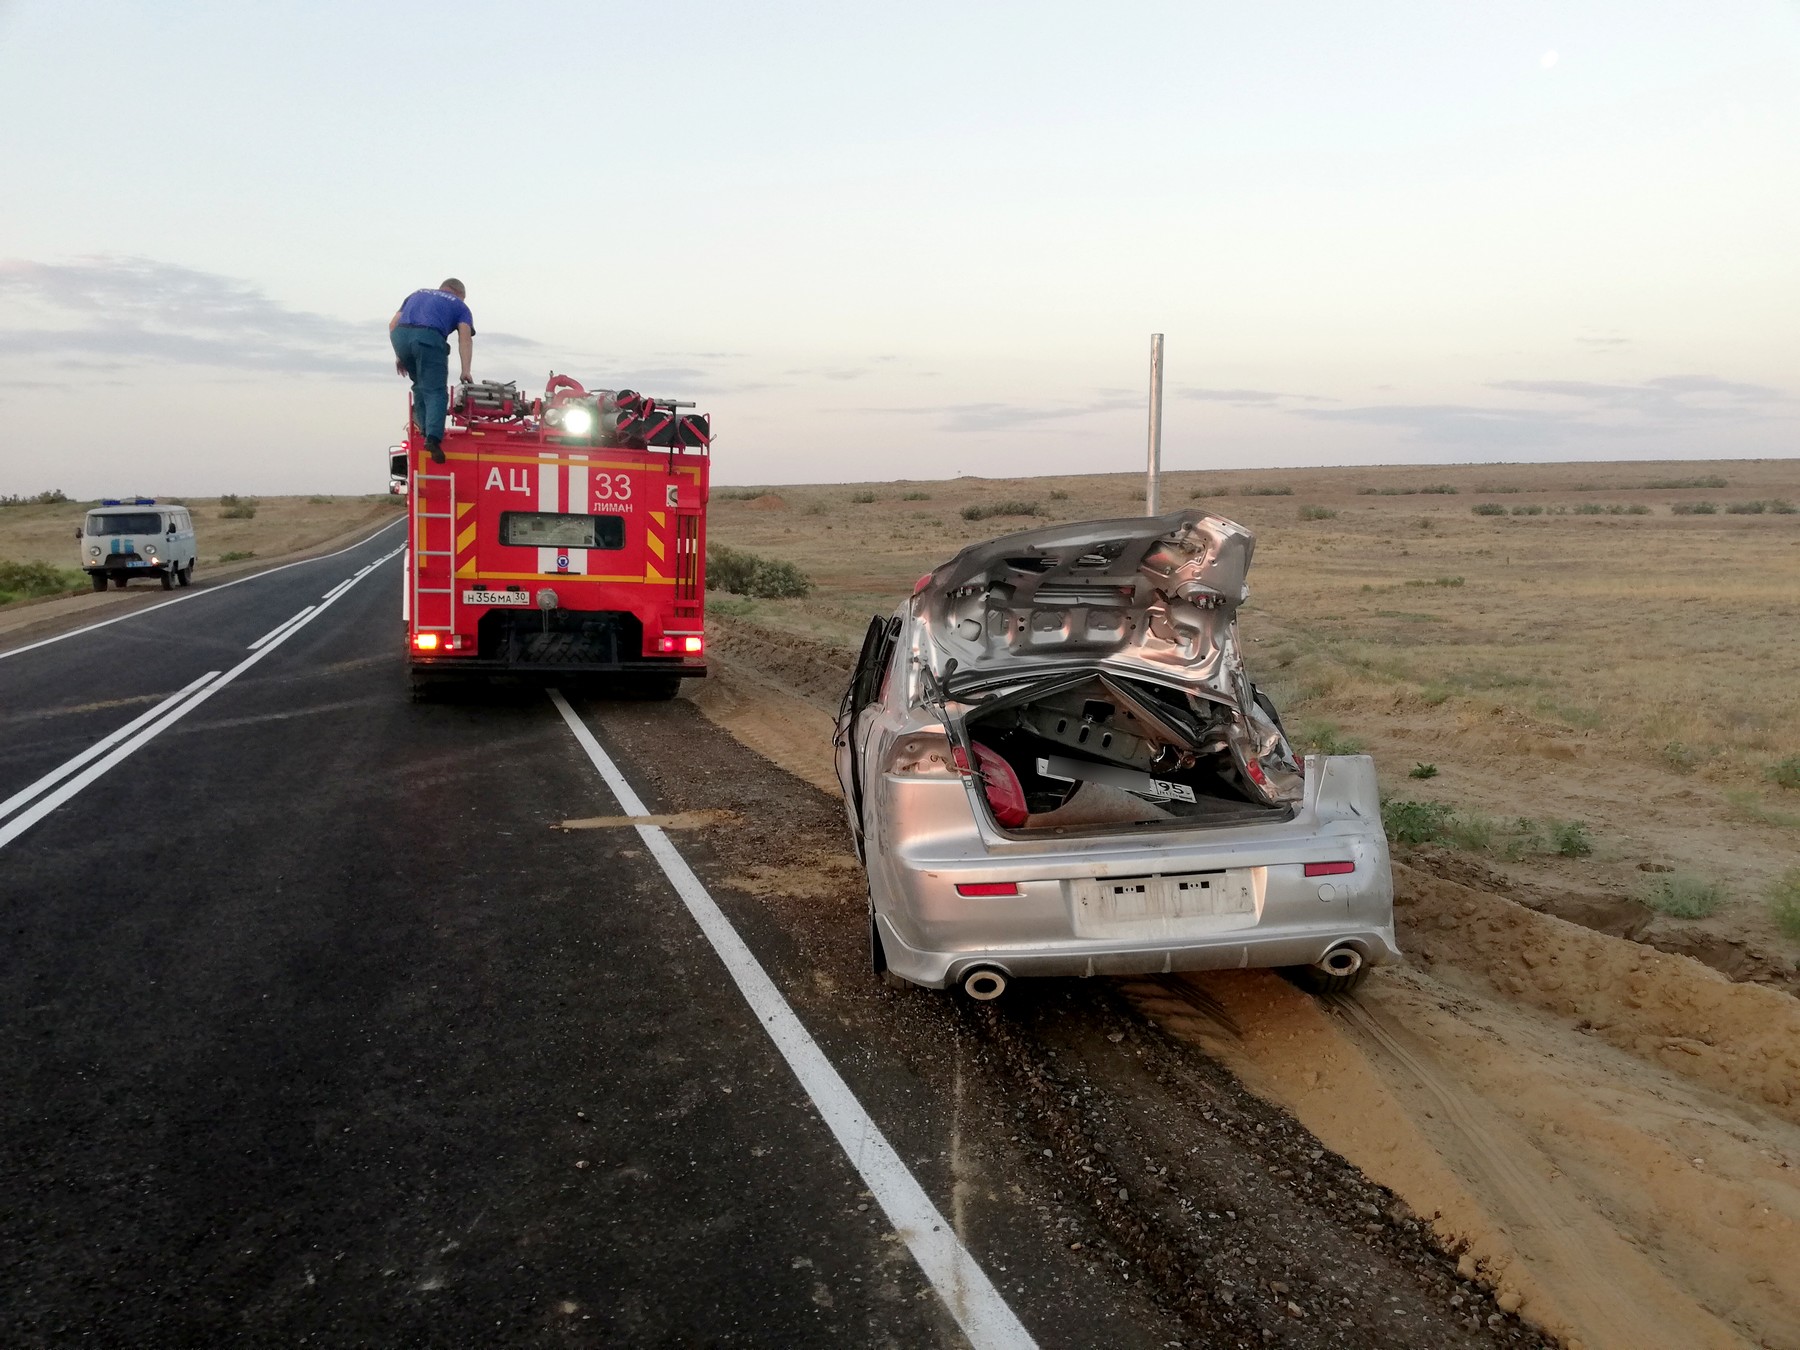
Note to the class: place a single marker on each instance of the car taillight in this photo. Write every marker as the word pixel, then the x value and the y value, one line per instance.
pixel 975 890
pixel 1330 869
pixel 425 642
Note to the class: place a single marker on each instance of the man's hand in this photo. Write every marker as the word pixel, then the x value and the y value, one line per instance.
pixel 400 369
pixel 466 379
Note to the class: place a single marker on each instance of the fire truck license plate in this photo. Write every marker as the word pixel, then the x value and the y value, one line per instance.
pixel 497 598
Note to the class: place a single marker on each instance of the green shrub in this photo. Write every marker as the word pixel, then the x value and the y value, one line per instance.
pixel 1415 822
pixel 1469 830
pixel 1785 773
pixel 1780 507
pixel 1680 757
pixel 236 557
pixel 1532 510
pixel 740 494
pixel 1488 509
pixel 1438 490
pixel 978 511
pixel 1637 509
pixel 234 507
pixel 862 498
pixel 1746 509
pixel 926 496
pixel 29 580
pixel 1438 581
pixel 1682 897
pixel 1784 903
pixel 1570 838
pixel 1590 509
pixel 1317 513
pixel 814 509
pixel 741 573
pixel 1677 484
pixel 1497 491
pixel 1325 738
pixel 1058 495
pixel 1422 771
pixel 1693 509
pixel 1267 490
pixel 49 498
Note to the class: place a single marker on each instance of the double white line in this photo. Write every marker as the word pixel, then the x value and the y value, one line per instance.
pixel 140 731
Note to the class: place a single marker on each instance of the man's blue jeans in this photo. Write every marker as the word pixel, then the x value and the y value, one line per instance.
pixel 425 354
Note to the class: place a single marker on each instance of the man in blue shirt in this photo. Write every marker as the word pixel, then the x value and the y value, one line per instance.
pixel 420 331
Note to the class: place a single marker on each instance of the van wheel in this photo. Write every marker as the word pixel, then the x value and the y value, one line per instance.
pixel 168 579
pixel 119 581
pixel 186 575
pixel 99 580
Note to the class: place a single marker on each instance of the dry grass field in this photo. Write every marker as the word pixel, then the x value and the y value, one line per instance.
pixel 1595 673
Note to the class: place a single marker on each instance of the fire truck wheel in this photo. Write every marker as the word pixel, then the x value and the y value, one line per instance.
pixel 99 580
pixel 656 688
pixel 168 579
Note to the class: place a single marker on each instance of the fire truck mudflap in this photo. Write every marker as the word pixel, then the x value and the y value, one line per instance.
pixel 562 536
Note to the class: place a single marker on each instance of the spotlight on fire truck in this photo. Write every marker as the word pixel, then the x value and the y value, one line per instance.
pixel 577 421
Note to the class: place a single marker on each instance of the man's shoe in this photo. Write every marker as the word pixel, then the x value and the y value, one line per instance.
pixel 437 451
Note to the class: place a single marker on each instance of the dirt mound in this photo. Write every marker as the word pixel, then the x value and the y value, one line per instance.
pixel 767 502
pixel 1741 1039
pixel 807 668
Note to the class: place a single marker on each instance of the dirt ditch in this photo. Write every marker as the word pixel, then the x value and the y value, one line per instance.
pixel 1602 1136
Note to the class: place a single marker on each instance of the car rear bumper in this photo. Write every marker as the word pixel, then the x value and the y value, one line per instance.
pixel 1235 951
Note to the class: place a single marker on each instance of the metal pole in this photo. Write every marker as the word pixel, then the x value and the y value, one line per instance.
pixel 1154 469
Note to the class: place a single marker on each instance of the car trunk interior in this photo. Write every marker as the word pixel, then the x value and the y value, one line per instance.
pixel 1102 752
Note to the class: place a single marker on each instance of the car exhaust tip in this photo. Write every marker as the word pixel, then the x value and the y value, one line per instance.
pixel 1342 962
pixel 984 985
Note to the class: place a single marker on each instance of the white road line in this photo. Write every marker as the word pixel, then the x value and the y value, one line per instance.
pixel 294 619
pixel 971 1298
pixel 100 747
pixel 343 585
pixel 195 595
pixel 26 819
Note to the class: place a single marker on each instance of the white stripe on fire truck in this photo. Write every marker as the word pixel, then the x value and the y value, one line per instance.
pixel 969 1296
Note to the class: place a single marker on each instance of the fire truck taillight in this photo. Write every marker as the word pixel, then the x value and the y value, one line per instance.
pixel 425 642
pixel 671 646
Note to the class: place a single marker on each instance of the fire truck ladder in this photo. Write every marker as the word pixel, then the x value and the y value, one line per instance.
pixel 434 579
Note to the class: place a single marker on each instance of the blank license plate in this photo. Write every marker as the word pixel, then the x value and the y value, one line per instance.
pixel 1198 902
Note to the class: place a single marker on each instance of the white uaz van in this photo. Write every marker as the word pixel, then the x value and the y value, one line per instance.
pixel 138 538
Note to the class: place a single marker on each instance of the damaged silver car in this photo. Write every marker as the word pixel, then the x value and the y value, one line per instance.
pixel 1054 763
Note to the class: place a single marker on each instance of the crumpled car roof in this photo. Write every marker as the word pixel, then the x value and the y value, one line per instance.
pixel 1151 595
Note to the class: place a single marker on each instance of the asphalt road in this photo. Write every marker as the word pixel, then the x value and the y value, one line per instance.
pixel 317 1030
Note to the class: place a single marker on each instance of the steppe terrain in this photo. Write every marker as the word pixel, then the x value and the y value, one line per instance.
pixel 1585 701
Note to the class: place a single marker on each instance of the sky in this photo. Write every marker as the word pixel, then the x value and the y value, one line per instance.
pixel 909 241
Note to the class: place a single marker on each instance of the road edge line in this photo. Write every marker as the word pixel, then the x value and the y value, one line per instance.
pixel 985 1317
pixel 195 595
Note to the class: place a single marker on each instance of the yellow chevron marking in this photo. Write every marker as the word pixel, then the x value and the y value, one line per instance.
pixel 467 569
pixel 464 539
pixel 660 517
pixel 654 577
pixel 464 509
pixel 656 545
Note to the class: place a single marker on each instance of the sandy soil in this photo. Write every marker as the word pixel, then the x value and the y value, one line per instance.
pixel 1607 1135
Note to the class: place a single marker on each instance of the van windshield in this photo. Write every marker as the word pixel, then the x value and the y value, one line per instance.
pixel 125 522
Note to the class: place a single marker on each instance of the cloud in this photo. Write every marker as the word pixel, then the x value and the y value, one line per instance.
pixel 1577 408
pixel 1013 416
pixel 1245 398
pixel 138 312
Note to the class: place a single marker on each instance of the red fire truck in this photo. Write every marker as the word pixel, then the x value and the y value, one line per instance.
pixel 562 536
